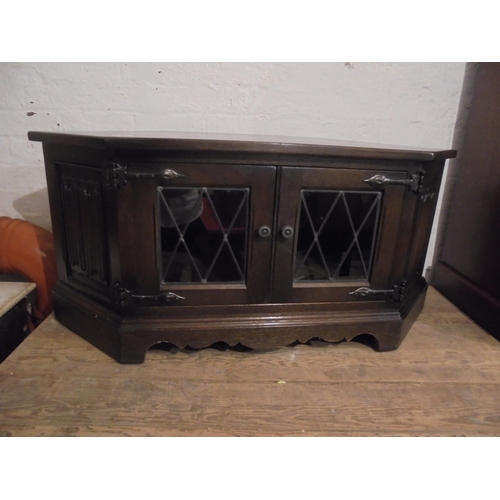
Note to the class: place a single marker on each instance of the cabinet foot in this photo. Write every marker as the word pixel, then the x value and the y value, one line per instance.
pixel 386 343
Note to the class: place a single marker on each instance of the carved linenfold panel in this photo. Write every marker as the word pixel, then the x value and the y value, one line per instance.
pixel 83 217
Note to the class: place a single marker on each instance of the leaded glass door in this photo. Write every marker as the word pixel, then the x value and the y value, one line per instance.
pixel 330 240
pixel 211 246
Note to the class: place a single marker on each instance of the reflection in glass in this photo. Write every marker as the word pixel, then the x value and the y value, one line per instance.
pixel 203 234
pixel 336 235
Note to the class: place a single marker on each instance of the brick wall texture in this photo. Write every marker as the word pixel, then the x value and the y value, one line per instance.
pixel 413 104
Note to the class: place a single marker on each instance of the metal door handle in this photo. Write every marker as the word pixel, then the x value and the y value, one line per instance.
pixel 264 231
pixel 287 232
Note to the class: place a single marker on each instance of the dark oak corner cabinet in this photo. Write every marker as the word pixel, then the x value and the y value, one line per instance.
pixel 263 241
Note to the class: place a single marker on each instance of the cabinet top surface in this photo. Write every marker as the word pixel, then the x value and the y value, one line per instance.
pixel 189 141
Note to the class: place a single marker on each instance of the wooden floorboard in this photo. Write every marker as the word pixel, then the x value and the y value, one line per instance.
pixel 444 380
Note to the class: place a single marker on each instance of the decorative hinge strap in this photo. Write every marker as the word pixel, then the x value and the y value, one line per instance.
pixel 116 176
pixel 124 298
pixel 396 293
pixel 415 182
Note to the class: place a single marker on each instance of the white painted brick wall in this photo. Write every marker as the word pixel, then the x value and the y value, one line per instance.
pixel 413 104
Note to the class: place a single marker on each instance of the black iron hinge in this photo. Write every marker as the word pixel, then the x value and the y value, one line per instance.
pixel 125 298
pixel 117 176
pixel 114 176
pixel 414 183
pixel 396 293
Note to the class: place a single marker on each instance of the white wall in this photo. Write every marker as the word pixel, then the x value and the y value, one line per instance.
pixel 413 104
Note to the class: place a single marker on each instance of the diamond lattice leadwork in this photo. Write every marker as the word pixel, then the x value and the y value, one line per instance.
pixel 203 234
pixel 336 235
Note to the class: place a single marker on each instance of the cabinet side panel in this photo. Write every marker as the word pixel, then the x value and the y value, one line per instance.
pixel 424 216
pixel 77 205
pixel 84 227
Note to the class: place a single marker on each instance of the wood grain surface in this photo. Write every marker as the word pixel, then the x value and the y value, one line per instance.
pixel 444 380
pixel 173 141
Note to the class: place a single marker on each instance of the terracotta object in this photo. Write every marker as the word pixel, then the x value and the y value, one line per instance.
pixel 28 250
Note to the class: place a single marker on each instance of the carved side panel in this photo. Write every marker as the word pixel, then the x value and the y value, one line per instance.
pixel 84 226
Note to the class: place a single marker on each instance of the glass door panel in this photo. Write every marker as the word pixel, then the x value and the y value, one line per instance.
pixel 337 242
pixel 336 235
pixel 208 218
pixel 204 233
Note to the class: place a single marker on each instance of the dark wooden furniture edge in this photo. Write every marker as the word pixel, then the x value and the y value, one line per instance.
pixel 479 305
pixel 239 143
pixel 127 339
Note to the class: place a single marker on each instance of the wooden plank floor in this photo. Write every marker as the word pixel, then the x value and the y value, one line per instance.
pixel 444 380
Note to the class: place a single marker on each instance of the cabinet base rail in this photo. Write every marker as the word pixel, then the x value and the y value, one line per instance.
pixel 127 339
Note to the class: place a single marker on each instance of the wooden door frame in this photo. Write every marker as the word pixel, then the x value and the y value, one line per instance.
pixel 296 179
pixel 143 252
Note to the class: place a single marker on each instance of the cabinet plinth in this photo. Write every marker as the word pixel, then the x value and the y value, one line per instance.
pixel 193 240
